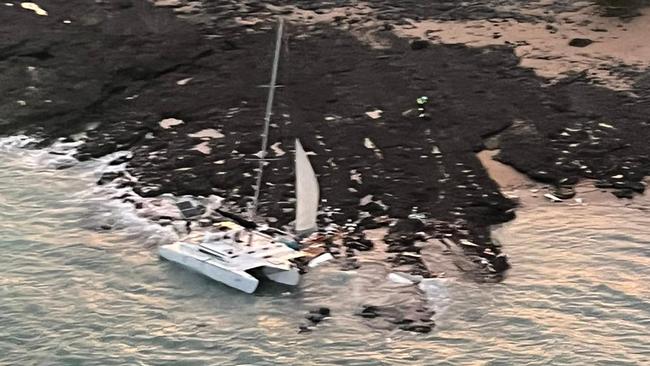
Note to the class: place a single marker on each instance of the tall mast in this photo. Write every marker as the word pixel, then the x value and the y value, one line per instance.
pixel 267 117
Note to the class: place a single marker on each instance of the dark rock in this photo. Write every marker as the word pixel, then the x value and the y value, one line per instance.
pixel 304 329
pixel 189 209
pixel 350 264
pixel 401 321
pixel 419 44
pixel 369 223
pixel 401 259
pixel 323 311
pixel 407 226
pixel 580 42
pixel 357 241
pixel 604 184
pixel 637 187
pixel 564 192
pixel 418 328
pixel 624 193
pixel 358 245
pixel 120 160
pixel 500 263
pixel 373 208
pixel 315 318
pixel 109 177
pixel 123 4
pixel 369 311
pixel 97 149
pixel 317 315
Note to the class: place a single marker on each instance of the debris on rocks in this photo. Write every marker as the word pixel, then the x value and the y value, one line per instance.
pixel 209 133
pixel 374 114
pixel 168 123
pixel 34 7
pixel 320 260
pixel 552 198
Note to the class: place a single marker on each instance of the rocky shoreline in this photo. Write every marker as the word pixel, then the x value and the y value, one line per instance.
pixel 185 95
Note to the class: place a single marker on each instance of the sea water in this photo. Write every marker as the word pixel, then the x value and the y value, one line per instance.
pixel 81 284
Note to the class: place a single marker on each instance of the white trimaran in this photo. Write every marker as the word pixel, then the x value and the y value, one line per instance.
pixel 238 257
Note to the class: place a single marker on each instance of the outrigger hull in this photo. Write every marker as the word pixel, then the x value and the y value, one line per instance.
pixel 204 264
pixel 189 255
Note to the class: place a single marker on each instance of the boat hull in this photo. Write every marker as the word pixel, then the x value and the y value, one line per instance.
pixel 240 280
pixel 289 277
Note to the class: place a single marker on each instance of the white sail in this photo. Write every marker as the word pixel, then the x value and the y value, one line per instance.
pixel 307 195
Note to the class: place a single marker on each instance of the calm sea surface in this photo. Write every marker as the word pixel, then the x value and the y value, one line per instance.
pixel 74 294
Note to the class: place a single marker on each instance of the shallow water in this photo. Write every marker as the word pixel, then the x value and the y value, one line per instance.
pixel 73 294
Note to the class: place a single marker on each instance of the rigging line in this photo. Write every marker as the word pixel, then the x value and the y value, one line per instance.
pixel 267 116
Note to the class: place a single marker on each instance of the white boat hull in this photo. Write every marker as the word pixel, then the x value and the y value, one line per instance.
pixel 235 275
pixel 289 277
pixel 240 280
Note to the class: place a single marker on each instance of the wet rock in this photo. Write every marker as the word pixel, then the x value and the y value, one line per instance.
pixel 604 184
pixel 369 312
pixel 315 318
pixel 401 320
pixel 350 264
pixel 304 329
pixel 205 222
pixel 123 4
pixel 357 242
pixel 318 315
pixel 407 226
pixel 109 177
pixel 369 223
pixel 580 42
pixel 624 193
pixel 373 208
pixel 97 149
pixel 419 44
pixel 417 328
pixel 564 192
pixel 405 258
pixel 637 187
pixel 500 263
pixel 120 160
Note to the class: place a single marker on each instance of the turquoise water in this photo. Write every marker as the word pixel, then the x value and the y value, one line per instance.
pixel 74 294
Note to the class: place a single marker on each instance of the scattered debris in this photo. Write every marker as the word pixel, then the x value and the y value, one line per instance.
pixel 184 81
pixel 170 122
pixel 34 7
pixel 369 144
pixel 375 114
pixel 207 133
pixel 552 197
pixel 320 260
pixel 203 147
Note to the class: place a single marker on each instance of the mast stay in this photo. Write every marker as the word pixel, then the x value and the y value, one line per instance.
pixel 267 117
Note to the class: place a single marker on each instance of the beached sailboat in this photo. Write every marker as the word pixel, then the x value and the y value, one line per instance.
pixel 239 255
